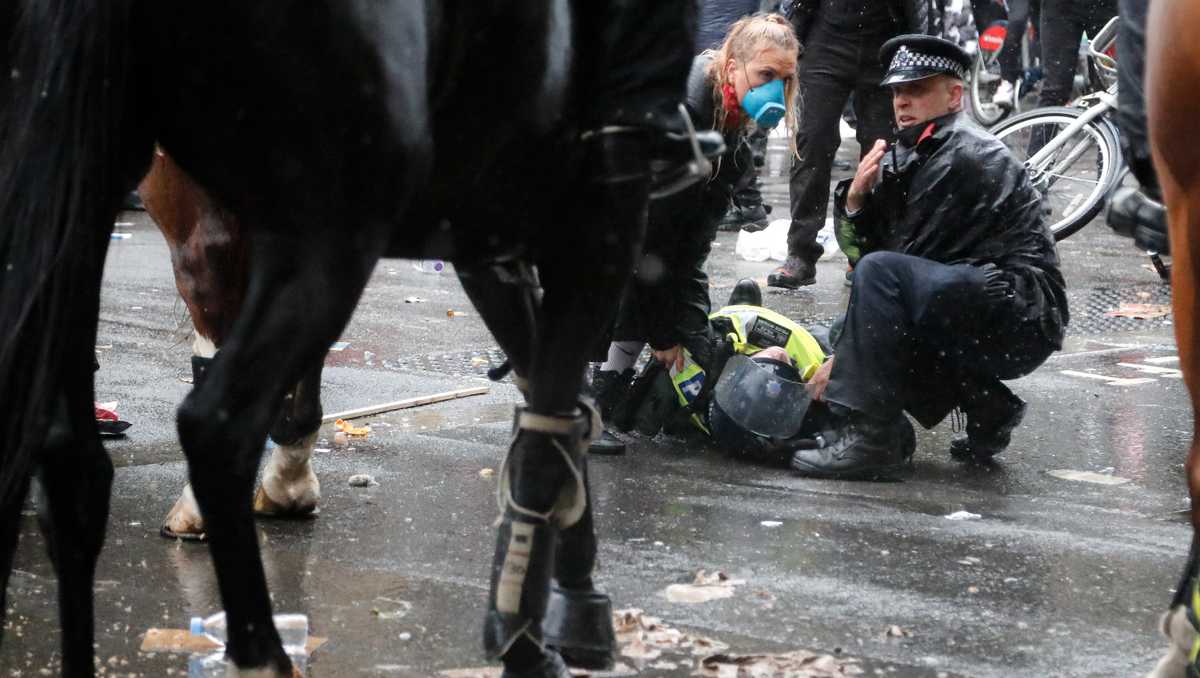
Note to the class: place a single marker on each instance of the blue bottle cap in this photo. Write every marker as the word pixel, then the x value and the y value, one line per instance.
pixel 197 626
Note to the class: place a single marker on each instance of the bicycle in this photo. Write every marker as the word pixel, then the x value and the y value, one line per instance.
pixel 1073 153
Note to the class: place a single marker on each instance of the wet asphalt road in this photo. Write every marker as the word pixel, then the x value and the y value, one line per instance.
pixel 1055 578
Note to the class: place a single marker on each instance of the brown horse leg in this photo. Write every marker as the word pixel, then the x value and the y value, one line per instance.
pixel 1173 57
pixel 208 253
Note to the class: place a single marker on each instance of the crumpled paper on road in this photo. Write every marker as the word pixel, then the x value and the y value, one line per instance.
pixel 706 586
pixel 1140 311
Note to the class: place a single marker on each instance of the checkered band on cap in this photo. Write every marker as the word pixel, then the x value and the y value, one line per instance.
pixel 907 59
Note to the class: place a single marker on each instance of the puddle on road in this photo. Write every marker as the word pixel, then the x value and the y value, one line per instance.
pixel 437 420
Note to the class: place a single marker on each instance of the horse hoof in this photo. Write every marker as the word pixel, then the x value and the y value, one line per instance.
pixel 578 624
pixel 303 507
pixel 184 520
pixel 551 667
pixel 289 487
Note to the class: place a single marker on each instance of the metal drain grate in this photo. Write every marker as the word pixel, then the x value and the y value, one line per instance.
pixel 472 362
pixel 1088 309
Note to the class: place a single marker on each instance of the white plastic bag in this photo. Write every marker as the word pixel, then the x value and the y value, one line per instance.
pixel 770 244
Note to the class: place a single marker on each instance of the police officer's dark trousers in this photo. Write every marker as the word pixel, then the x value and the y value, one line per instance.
pixel 835 64
pixel 923 337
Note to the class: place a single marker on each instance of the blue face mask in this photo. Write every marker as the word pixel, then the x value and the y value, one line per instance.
pixel 766 104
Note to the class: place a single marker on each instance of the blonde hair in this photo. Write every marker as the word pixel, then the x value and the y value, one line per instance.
pixel 746 39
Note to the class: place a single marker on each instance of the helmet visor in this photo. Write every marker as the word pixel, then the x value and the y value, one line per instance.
pixel 757 398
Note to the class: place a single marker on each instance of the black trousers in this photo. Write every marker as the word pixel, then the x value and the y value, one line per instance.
pixel 922 337
pixel 1062 27
pixel 1131 92
pixel 667 302
pixel 835 64
pixel 1020 13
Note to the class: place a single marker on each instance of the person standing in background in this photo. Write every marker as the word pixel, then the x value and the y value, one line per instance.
pixel 1062 27
pixel 841 41
pixel 1020 14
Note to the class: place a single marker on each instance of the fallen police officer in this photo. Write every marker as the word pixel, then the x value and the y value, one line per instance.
pixel 750 396
pixel 960 287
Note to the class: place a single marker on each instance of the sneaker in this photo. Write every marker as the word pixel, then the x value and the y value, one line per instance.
pixel 1005 92
pixel 862 447
pixel 988 431
pixel 793 274
pixel 849 281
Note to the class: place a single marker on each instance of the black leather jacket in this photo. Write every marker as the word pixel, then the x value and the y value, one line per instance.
pixel 908 16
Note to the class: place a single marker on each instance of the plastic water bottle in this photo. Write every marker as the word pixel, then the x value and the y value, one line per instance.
pixel 293 630
pixel 429 265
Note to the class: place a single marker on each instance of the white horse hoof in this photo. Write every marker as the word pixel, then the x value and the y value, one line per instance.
pixel 289 486
pixel 184 520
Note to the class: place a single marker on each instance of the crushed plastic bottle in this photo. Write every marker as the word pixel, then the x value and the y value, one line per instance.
pixel 293 631
pixel 429 265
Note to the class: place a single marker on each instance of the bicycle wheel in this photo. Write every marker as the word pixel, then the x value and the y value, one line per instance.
pixel 985 78
pixel 1076 176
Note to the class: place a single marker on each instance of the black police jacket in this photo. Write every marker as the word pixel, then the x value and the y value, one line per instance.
pixel 953 193
pixel 907 16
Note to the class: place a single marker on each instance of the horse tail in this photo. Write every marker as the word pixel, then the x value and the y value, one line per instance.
pixel 66 133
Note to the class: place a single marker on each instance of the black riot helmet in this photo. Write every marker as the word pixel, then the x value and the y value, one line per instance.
pixel 758 404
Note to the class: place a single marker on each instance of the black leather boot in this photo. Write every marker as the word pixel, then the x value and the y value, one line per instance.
pixel 745 293
pixel 753 218
pixel 609 388
pixel 990 423
pixel 862 447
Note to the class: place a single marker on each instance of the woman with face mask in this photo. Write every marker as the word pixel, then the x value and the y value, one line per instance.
pixel 748 83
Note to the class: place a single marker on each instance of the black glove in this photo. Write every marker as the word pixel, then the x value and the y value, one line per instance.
pixel 996 284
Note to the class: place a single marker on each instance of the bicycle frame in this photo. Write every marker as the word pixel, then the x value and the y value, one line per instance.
pixel 1105 102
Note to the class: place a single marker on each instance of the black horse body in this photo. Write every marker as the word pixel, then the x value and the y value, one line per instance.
pixel 343 131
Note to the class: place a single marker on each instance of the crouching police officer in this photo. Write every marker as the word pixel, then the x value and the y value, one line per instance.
pixel 961 286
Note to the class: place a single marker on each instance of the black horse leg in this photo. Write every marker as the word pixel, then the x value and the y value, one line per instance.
pixel 542 492
pixel 289 484
pixel 578 619
pixel 507 298
pixel 222 424
pixel 76 477
pixel 10 533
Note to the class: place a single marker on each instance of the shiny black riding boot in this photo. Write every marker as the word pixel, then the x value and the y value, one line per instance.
pixel 745 293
